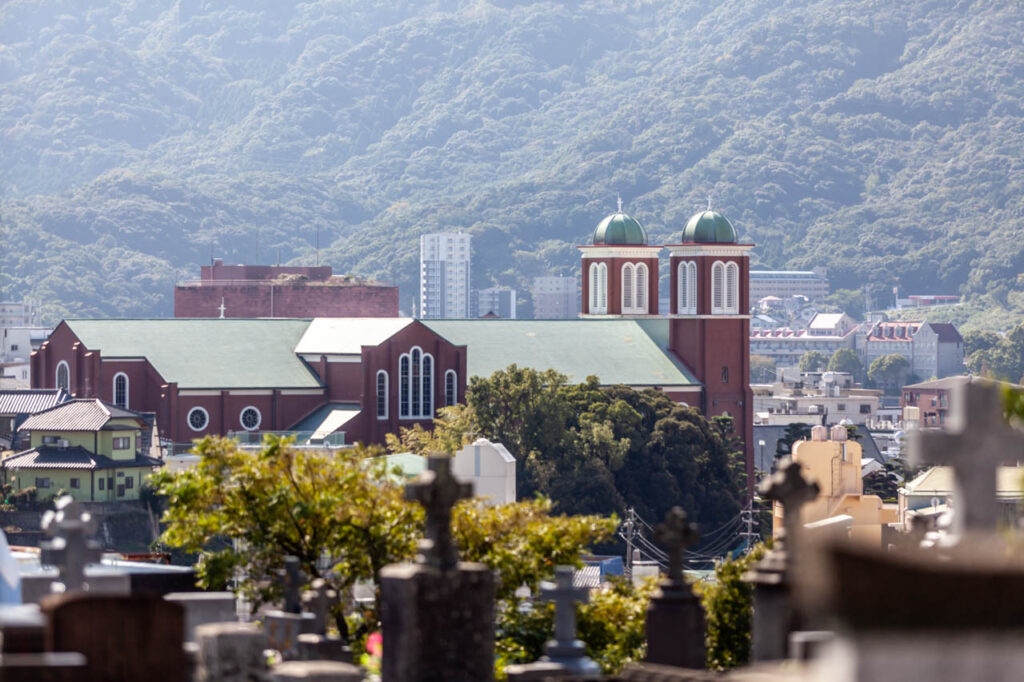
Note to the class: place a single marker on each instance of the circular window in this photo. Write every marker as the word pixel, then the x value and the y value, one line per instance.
pixel 198 418
pixel 250 418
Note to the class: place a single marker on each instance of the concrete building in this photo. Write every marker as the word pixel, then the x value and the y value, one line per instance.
pixel 494 302
pixel 17 314
pixel 933 349
pixel 444 275
pixel 786 283
pixel 817 398
pixel 835 463
pixel 247 291
pixel 785 345
pixel 490 467
pixel 555 298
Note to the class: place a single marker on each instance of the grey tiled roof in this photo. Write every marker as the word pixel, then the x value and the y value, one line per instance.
pixel 77 457
pixel 77 415
pixel 30 401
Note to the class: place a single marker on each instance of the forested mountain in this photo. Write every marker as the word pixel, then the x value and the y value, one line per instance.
pixel 882 138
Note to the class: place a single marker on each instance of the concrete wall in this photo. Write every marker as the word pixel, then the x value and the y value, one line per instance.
pixel 263 299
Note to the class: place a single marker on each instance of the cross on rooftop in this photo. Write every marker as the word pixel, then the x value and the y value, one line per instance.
pixel 564 596
pixel 438 491
pixel 221 308
pixel 72 547
pixel 292 578
pixel 791 489
pixel 675 533
pixel 976 441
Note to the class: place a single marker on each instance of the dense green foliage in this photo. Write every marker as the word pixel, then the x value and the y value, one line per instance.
pixel 813 361
pixel 889 372
pixel 880 139
pixel 728 605
pixel 846 360
pixel 998 357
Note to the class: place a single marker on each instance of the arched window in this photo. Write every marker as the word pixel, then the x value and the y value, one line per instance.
pixel 627 288
pixel 63 378
pixel 641 289
pixel 682 289
pixel 451 388
pixel 403 386
pixel 691 287
pixel 121 390
pixel 732 288
pixel 592 298
pixel 382 394
pixel 717 287
pixel 416 390
pixel 602 290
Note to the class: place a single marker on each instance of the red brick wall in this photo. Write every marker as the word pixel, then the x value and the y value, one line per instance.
pixel 615 283
pixel 207 272
pixel 291 300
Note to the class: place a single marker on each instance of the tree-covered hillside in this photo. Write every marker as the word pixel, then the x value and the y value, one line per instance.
pixel 884 139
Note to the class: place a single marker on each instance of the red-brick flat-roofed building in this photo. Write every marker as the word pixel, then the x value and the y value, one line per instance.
pixel 281 291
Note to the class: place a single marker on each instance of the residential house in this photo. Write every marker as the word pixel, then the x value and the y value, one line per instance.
pixel 18 405
pixel 87 448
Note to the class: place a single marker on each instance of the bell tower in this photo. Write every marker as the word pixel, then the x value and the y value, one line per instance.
pixel 709 326
pixel 620 270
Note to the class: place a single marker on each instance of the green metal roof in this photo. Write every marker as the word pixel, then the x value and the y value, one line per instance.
pixel 630 352
pixel 207 353
pixel 709 226
pixel 619 228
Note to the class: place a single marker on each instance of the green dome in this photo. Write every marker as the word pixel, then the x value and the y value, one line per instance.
pixel 709 226
pixel 619 228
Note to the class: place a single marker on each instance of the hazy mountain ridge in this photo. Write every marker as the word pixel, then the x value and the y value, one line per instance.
pixel 882 139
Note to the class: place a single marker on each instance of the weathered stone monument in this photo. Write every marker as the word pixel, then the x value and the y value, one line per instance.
pixel 675 617
pixel 976 441
pixel 71 547
pixel 284 626
pixel 565 649
pixel 437 614
pixel 775 614
pixel 317 645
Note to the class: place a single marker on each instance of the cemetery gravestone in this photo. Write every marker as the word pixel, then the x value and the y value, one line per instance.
pixel 775 615
pixel 675 617
pixel 231 652
pixel 976 441
pixel 437 615
pixel 284 627
pixel 204 607
pixel 71 548
pixel 565 649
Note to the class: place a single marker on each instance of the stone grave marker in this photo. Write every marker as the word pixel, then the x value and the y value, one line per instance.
pixel 675 617
pixel 231 652
pixel 122 638
pixel 565 649
pixel 775 615
pixel 71 548
pixel 975 442
pixel 284 626
pixel 437 614
pixel 317 645
pixel 204 607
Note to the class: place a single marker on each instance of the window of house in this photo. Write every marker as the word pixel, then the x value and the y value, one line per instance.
pixel 122 443
pixel 14 346
pixel 198 419
pixel 250 418
pixel 74 483
pixel 129 482
pixel 865 409
pixel 382 394
pixel 50 440
pixel 121 390
pixel 102 482
pixel 42 483
pixel 841 407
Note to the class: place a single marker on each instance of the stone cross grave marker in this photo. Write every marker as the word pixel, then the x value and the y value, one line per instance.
pixel 438 491
pixel 675 534
pixel 71 548
pixel 284 626
pixel 788 487
pixel 975 442
pixel 318 600
pixel 292 577
pixel 565 649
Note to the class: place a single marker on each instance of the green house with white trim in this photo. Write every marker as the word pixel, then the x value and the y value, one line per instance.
pixel 90 449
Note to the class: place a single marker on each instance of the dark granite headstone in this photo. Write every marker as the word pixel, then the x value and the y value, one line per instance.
pixel 675 617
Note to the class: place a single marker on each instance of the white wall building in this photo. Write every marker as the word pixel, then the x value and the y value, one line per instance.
pixel 444 275
pixel 500 301
pixel 490 467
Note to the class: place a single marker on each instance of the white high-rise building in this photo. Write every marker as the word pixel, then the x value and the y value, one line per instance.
pixel 444 275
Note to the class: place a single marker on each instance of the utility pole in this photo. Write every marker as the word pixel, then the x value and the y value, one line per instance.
pixel 749 534
pixel 630 528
